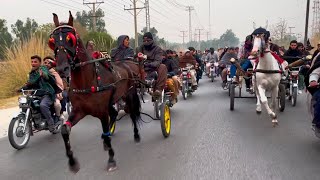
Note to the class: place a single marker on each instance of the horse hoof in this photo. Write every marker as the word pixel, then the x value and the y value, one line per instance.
pixel 258 112
pixel 74 165
pixel 137 138
pixel 111 166
pixel 275 123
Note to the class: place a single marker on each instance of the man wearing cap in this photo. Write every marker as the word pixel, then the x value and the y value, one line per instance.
pixel 154 62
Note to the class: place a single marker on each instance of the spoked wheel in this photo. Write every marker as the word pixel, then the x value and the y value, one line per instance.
pixel 232 94
pixel 165 120
pixel 294 96
pixel 17 138
pixel 282 97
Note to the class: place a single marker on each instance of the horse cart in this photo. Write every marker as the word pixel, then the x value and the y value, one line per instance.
pixel 161 104
pixel 249 77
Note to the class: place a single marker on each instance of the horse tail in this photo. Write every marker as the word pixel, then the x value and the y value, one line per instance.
pixel 134 105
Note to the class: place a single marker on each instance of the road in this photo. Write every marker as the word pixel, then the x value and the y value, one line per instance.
pixel 207 142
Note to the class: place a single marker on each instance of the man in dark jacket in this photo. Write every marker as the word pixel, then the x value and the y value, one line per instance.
pixel 198 59
pixel 293 50
pixel 123 51
pixel 153 62
pixel 172 81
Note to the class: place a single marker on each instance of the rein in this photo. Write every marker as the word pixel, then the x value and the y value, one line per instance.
pixel 100 87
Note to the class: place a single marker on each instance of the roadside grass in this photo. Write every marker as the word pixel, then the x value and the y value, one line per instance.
pixel 17 64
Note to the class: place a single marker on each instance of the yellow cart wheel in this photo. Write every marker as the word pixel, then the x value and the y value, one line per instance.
pixel 165 120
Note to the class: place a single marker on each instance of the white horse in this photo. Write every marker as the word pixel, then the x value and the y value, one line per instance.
pixel 267 76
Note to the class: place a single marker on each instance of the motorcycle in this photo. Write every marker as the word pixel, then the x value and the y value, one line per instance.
pixel 30 120
pixel 186 82
pixel 213 70
pixel 293 85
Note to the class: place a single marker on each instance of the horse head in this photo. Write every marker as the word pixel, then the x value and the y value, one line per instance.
pixel 64 41
pixel 260 41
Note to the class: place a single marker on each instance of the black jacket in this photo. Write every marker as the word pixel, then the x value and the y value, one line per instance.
pixel 171 66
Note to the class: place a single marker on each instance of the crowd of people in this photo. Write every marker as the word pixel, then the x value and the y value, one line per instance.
pixel 167 64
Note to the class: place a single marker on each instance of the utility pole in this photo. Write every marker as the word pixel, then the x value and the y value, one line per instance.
pixel 135 20
pixel 94 16
pixel 291 32
pixel 183 36
pixel 146 4
pixel 208 33
pixel 199 37
pixel 190 8
pixel 209 20
pixel 307 23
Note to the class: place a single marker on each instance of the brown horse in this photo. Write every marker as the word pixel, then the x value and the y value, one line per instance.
pixel 94 87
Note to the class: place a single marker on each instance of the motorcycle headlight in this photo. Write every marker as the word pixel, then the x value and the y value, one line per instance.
pixel 22 100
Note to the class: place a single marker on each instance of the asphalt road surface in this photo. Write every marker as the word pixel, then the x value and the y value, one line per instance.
pixel 207 141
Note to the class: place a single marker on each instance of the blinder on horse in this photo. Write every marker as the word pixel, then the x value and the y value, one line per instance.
pixel 65 38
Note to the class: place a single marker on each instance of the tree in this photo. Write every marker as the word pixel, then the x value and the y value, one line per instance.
pixel 24 30
pixel 85 20
pixel 45 30
pixel 279 30
pixel 228 39
pixel 103 41
pixel 5 38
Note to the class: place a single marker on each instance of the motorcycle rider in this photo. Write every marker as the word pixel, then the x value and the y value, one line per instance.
pixel 172 80
pixel 199 63
pixel 153 62
pixel 50 64
pixel 188 58
pixel 225 60
pixel 212 57
pixel 39 78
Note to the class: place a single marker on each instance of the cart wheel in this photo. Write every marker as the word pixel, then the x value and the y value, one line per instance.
pixel 294 96
pixel 232 94
pixel 165 120
pixel 282 97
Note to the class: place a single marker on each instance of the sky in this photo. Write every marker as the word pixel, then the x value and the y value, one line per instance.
pixel 168 19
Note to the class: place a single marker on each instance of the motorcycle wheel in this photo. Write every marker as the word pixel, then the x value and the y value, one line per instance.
pixel 294 96
pixel 184 91
pixel 15 131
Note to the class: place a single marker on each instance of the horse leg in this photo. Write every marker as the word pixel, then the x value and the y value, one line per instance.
pixel 264 101
pixel 74 118
pixel 107 143
pixel 274 96
pixel 258 108
pixel 134 105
